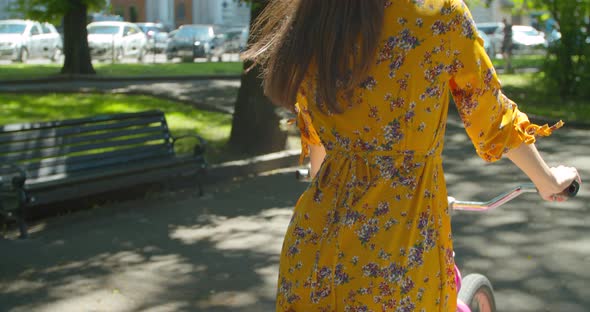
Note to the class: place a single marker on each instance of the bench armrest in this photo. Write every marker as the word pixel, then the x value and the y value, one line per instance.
pixel 199 149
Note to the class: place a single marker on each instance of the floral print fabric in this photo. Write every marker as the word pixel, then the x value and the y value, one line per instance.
pixel 372 232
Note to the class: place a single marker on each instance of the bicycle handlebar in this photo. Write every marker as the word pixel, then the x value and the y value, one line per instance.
pixel 571 191
pixel 500 200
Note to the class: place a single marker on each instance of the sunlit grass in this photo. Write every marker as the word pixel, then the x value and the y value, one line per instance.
pixel 529 92
pixel 36 71
pixel 522 61
pixel 182 119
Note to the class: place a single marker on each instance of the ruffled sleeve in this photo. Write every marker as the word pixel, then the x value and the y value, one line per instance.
pixel 309 135
pixel 493 122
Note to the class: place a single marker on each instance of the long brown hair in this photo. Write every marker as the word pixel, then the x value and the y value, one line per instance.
pixel 339 37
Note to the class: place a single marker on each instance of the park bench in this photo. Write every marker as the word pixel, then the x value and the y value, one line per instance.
pixel 75 158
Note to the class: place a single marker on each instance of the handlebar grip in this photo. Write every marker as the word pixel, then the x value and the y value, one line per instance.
pixel 572 190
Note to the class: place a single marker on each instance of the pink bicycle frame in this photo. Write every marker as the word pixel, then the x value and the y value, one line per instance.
pixel 484 206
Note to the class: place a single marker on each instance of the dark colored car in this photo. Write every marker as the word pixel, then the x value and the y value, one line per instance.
pixel 194 41
pixel 235 39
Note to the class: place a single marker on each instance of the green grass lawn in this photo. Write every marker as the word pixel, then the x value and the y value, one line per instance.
pixel 32 71
pixel 182 118
pixel 528 91
pixel 522 61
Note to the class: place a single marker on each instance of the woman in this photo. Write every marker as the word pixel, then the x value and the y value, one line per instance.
pixel 507 46
pixel 371 79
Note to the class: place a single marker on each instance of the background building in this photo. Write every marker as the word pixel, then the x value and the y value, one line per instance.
pixel 178 12
pixel 131 10
pixel 497 10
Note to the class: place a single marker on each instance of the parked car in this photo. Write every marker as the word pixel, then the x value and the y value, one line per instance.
pixel 495 33
pixel 235 39
pixel 487 45
pixel 21 40
pixel 244 38
pixel 192 41
pixel 116 40
pixel 100 17
pixel 527 40
pixel 157 36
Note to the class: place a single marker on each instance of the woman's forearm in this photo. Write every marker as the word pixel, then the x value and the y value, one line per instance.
pixel 527 158
pixel 316 156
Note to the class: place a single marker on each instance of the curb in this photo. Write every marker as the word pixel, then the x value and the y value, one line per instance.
pixel 67 78
pixel 253 165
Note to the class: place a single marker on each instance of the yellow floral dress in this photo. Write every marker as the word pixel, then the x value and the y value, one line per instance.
pixel 373 232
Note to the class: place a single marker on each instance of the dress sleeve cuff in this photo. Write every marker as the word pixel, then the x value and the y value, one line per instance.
pixel 527 132
pixel 517 130
pixel 308 134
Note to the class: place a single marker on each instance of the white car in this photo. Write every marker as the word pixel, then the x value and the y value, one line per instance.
pixel 527 40
pixel 21 40
pixel 116 40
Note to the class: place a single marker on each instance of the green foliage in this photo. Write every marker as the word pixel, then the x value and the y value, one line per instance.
pixel 537 100
pixel 567 64
pixel 570 64
pixel 52 10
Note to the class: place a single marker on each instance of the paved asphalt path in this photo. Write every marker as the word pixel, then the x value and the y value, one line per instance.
pixel 174 251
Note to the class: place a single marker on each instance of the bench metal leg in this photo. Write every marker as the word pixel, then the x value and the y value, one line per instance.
pixel 22 227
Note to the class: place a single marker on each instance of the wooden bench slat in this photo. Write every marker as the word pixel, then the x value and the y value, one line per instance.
pixel 70 140
pixel 78 121
pixel 77 166
pixel 56 161
pixel 73 158
pixel 37 134
pixel 62 151
pixel 122 170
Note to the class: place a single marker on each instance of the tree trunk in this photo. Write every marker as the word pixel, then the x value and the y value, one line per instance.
pixel 76 51
pixel 255 126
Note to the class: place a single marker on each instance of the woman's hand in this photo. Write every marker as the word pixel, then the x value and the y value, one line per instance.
pixel 550 181
pixel 563 177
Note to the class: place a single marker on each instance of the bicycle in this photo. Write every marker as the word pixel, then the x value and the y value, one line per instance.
pixel 475 290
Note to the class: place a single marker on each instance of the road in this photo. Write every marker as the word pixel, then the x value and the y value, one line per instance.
pixel 174 251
